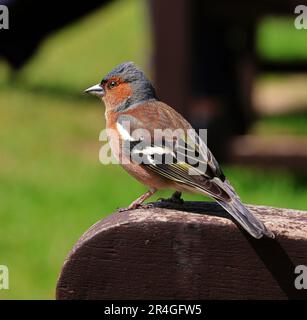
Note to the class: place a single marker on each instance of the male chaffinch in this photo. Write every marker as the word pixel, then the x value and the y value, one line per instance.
pixel 132 105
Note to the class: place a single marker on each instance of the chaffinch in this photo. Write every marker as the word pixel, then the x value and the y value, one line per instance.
pixel 132 106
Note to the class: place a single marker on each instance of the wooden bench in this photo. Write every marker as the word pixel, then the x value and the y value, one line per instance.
pixel 190 251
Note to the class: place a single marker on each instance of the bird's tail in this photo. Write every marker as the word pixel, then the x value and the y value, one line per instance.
pixel 242 215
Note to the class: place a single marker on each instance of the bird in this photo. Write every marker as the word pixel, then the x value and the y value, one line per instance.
pixel 179 162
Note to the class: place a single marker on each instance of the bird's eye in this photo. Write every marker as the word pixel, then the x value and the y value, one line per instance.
pixel 112 84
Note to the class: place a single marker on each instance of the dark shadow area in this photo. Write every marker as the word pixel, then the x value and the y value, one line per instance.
pixel 279 264
pixel 200 207
pixel 32 21
pixel 300 180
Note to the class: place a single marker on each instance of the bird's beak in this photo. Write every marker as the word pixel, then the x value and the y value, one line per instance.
pixel 96 90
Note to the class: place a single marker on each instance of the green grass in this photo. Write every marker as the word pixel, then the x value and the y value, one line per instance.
pixel 288 124
pixel 278 39
pixel 52 186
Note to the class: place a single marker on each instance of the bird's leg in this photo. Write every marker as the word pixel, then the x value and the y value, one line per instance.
pixel 138 202
pixel 175 198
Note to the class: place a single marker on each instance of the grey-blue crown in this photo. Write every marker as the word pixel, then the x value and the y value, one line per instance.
pixel 130 73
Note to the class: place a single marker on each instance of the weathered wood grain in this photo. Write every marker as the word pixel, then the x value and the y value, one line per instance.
pixel 171 252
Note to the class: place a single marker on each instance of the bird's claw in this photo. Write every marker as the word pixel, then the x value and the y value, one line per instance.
pixel 122 209
pixel 134 206
pixel 147 206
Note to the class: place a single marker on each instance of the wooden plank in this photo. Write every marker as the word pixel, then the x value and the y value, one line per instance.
pixel 270 151
pixel 171 252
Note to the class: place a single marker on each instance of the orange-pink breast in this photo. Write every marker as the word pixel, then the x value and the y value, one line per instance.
pixel 138 171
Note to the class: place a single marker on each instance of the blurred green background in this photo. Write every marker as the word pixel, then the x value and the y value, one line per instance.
pixel 52 186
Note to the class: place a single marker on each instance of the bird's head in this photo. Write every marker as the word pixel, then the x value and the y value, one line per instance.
pixel 125 86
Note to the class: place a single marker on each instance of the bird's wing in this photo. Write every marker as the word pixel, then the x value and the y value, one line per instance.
pixel 190 148
pixel 186 160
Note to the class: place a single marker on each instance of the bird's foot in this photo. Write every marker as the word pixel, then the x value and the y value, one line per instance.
pixel 131 207
pixel 122 209
pixel 135 206
pixel 138 203
pixel 175 198
pixel 146 206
